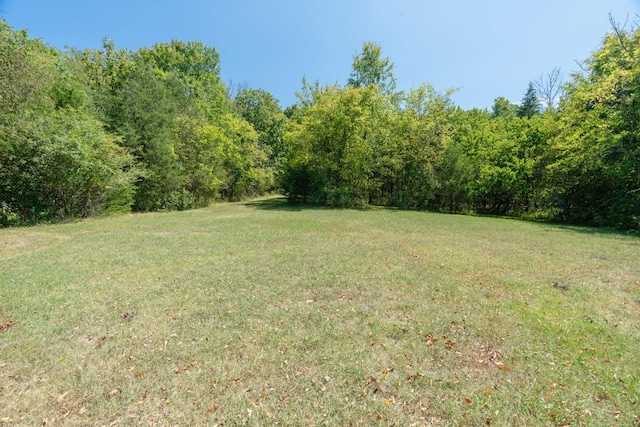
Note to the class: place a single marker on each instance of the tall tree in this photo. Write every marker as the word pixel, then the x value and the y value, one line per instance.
pixel 530 104
pixel 56 160
pixel 332 147
pixel 263 112
pixel 502 107
pixel 197 67
pixel 549 88
pixel 170 109
pixel 370 68
pixel 424 131
pixel 597 148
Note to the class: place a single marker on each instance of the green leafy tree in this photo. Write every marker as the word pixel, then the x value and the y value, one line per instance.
pixel 25 73
pixel 424 132
pixel 171 111
pixel 456 172
pixel 502 107
pixel 331 148
pixel 596 151
pixel 262 111
pixel 103 71
pixel 56 160
pixel 496 162
pixel 459 166
pixel 197 67
pixel 245 163
pixel 369 68
pixel 144 113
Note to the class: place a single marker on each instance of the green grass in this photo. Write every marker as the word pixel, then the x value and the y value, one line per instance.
pixel 263 313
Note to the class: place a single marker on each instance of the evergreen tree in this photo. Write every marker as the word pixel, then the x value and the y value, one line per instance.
pixel 530 104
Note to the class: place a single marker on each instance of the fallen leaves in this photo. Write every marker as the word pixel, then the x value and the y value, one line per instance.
pixel 561 287
pixel 5 326
pixel 128 316
pixel 62 396
pixel 431 339
pixel 101 340
pixel 492 356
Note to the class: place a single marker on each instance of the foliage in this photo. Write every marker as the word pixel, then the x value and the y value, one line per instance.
pixel 94 131
pixel 262 111
pixel 530 104
pixel 169 107
pixel 330 149
pixel 56 160
pixel 597 147
pixel 26 73
pixel 503 107
pixel 577 162
pixel 425 131
pixel 370 69
pixel 244 162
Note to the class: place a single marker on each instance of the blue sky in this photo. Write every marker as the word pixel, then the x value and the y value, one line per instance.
pixel 486 48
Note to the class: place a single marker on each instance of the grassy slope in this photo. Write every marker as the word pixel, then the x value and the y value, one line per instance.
pixel 261 313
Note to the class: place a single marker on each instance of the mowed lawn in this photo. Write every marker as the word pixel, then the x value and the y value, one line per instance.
pixel 263 313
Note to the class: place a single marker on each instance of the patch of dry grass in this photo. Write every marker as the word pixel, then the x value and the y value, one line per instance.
pixel 268 314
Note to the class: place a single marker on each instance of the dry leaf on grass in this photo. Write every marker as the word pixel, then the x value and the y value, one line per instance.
pixel 6 326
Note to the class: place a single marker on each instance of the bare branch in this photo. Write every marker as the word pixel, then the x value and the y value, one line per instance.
pixel 619 30
pixel 549 87
pixel 233 88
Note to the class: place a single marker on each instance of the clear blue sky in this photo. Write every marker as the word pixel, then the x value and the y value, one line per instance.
pixel 487 48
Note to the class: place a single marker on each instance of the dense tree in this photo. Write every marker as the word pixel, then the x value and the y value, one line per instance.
pixel 56 160
pixel 425 129
pixel 370 69
pixel 109 130
pixel 597 147
pixel 25 72
pixel 503 184
pixel 530 104
pixel 330 148
pixel 197 68
pixel 144 113
pixel 262 111
pixel 502 107
pixel 169 107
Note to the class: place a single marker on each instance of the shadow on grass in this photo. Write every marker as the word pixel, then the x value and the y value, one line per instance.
pixel 279 203
pixel 606 231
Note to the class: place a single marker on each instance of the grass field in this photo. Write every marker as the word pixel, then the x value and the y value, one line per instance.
pixel 262 313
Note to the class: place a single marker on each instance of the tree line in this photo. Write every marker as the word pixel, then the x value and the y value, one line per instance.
pixel 88 132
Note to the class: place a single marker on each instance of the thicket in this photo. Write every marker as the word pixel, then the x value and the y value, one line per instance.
pixel 97 131
pixel 88 132
pixel 576 160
